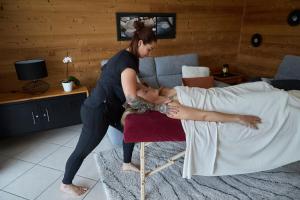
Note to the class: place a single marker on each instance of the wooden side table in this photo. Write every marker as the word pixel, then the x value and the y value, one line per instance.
pixel 230 78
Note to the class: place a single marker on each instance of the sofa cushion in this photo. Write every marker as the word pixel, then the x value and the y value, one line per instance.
pixel 168 68
pixel 289 68
pixel 148 71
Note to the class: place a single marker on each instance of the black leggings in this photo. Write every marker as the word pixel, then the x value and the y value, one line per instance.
pixel 95 125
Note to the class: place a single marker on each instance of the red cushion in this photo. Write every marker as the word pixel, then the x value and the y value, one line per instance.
pixel 152 126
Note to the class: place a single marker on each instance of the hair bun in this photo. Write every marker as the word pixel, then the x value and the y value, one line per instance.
pixel 138 25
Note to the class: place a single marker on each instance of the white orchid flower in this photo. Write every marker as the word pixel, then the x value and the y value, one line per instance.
pixel 67 59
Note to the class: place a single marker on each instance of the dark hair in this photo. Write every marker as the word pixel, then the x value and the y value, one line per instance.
pixel 143 33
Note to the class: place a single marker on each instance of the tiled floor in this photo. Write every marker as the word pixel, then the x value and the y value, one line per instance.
pixel 32 166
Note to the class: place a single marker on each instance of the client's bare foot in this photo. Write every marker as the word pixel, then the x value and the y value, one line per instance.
pixel 73 189
pixel 130 167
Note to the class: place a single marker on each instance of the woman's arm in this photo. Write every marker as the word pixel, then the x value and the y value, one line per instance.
pixel 129 85
pixel 178 111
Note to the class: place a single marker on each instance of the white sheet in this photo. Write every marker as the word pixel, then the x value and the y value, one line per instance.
pixel 230 148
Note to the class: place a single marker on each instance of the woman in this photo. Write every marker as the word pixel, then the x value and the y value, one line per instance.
pixel 104 106
pixel 214 148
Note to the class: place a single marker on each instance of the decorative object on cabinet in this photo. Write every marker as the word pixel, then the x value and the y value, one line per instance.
pixel 163 24
pixel 225 69
pixel 67 84
pixel 294 18
pixel 256 40
pixel 22 113
pixel 33 70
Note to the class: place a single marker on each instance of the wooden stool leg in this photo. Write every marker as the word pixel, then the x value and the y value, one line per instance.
pixel 142 170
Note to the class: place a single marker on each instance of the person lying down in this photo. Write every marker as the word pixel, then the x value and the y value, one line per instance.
pixel 238 129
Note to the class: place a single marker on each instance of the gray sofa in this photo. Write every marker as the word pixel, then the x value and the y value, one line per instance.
pixel 289 68
pixel 165 71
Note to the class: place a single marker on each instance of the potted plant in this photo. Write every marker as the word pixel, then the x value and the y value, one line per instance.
pixel 69 82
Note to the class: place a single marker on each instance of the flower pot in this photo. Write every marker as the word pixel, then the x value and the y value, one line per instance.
pixel 67 85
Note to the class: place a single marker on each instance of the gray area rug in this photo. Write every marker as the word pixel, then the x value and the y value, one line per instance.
pixel 281 183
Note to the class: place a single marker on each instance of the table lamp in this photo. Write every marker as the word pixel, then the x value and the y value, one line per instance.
pixel 33 70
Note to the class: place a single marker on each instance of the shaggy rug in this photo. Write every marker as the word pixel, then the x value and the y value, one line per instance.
pixel 281 183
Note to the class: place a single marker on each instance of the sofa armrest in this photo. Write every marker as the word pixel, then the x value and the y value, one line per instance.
pixel 289 68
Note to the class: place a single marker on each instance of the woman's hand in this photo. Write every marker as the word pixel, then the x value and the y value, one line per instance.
pixel 249 120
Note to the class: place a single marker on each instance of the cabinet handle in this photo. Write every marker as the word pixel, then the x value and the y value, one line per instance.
pixel 33 118
pixel 47 115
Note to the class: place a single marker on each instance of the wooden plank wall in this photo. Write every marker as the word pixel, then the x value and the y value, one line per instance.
pixel 268 18
pixel 86 30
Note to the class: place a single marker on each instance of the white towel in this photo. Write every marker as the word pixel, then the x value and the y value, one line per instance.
pixel 230 148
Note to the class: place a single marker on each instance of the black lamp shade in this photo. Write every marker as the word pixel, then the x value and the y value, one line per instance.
pixel 31 69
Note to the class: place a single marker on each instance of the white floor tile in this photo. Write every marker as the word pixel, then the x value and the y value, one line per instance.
pixel 72 143
pixel 15 145
pixel 96 193
pixel 11 169
pixel 31 184
pixel 76 128
pixel 53 192
pixel 104 145
pixel 58 159
pixel 59 136
pixel 36 153
pixel 7 196
pixel 89 169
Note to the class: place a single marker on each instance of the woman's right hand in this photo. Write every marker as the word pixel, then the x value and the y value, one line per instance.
pixel 249 121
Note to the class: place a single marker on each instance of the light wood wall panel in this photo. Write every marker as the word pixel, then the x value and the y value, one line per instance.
pixel 268 18
pixel 86 30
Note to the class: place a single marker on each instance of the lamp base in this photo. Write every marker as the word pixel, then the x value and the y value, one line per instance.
pixel 36 87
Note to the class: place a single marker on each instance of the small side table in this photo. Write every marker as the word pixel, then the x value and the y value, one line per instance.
pixel 230 78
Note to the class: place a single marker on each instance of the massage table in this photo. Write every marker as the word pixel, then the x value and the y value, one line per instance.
pixel 149 127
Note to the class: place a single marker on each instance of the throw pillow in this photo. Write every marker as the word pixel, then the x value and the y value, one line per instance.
pixel 288 84
pixel 194 71
pixel 202 82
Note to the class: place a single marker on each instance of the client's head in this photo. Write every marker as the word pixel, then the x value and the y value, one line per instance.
pixel 149 94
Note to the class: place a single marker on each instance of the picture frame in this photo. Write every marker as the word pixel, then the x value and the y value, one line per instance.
pixel 163 24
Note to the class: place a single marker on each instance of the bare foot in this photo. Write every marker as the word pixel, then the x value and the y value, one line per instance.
pixel 73 189
pixel 130 167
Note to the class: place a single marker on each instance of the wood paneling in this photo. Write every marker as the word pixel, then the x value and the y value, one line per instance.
pixel 268 18
pixel 86 30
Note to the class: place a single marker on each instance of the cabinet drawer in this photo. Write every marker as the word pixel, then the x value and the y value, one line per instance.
pixel 62 111
pixel 19 118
